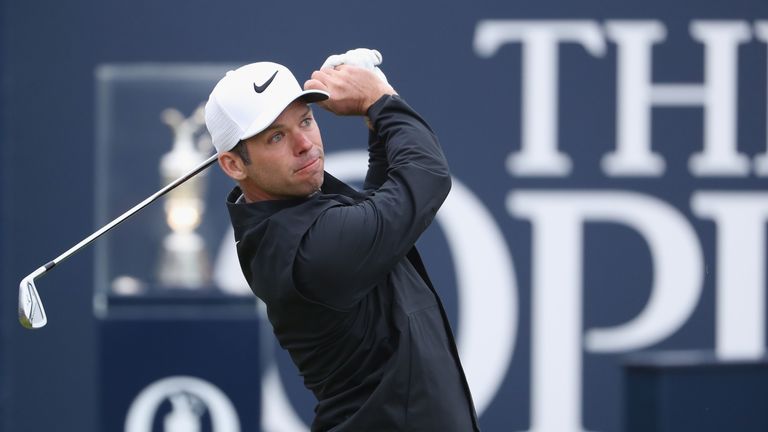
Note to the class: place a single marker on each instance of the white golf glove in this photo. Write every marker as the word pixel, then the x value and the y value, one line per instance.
pixel 361 57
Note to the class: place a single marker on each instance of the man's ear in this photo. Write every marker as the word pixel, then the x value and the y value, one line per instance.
pixel 232 166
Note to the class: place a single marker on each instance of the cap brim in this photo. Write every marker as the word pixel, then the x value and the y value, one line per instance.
pixel 308 96
pixel 312 96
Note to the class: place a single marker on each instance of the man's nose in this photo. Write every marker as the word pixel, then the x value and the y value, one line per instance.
pixel 302 143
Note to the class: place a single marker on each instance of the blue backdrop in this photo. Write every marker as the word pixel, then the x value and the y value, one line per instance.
pixel 609 163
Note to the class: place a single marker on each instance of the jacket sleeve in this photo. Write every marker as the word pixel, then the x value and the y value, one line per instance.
pixel 377 163
pixel 352 247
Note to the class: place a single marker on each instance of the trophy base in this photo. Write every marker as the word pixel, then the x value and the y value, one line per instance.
pixel 184 263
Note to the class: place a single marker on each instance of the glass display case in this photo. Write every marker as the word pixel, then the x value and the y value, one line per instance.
pixel 150 130
pixel 178 328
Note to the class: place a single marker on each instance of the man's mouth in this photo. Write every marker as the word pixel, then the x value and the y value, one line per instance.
pixel 309 164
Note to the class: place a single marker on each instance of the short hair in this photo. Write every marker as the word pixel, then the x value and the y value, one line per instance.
pixel 241 150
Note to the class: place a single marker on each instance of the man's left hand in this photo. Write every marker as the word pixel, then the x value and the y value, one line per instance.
pixel 363 57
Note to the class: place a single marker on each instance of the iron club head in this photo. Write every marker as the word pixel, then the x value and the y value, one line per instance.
pixel 31 312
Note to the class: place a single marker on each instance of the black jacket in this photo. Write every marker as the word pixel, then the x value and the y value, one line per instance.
pixel 347 294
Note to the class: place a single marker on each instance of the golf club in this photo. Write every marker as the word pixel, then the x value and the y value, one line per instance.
pixel 31 311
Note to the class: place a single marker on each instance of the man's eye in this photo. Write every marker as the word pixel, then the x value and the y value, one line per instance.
pixel 276 138
pixel 306 122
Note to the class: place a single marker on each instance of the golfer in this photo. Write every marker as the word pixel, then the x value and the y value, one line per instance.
pixel 346 291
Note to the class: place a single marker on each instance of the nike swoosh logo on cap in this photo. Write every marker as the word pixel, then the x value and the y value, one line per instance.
pixel 261 88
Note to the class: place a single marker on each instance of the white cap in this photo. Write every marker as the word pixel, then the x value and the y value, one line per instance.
pixel 247 100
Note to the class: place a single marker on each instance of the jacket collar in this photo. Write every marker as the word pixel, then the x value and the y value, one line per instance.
pixel 245 215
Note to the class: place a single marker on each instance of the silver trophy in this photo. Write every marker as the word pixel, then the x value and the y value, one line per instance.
pixel 184 260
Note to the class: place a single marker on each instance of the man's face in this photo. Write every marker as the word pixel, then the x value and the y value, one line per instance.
pixel 286 158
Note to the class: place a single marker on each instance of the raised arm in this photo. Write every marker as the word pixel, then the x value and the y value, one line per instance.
pixel 377 162
pixel 351 247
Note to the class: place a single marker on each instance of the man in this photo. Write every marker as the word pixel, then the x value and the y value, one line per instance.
pixel 346 292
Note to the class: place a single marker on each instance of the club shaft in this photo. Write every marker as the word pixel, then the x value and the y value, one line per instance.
pixel 71 251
